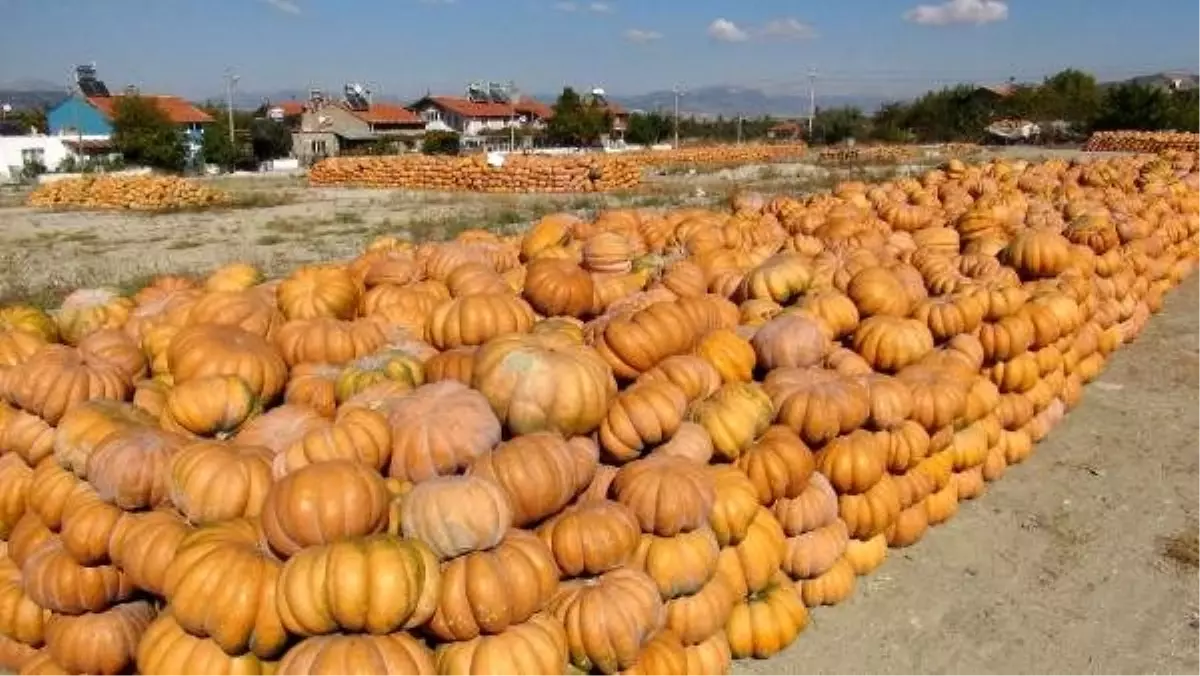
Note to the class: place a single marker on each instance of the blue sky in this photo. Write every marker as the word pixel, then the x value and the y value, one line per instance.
pixel 403 47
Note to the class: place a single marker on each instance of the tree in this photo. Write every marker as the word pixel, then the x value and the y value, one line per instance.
pixel 440 143
pixel 890 123
pixel 648 128
pixel 576 123
pixel 217 147
pixel 30 118
pixel 145 136
pixel 834 125
pixel 270 139
pixel 1134 106
pixel 1070 95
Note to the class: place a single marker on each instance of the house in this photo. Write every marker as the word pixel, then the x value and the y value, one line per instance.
pixel 47 152
pixel 287 112
pixel 618 114
pixel 785 131
pixel 92 115
pixel 329 128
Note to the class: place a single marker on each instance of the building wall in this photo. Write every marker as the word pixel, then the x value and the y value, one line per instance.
pixel 309 146
pixel 15 150
pixel 338 119
pixel 76 115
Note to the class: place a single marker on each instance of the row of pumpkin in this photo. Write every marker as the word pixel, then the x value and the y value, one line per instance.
pixel 648 442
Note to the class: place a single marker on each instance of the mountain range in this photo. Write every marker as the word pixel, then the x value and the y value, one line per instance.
pixel 712 101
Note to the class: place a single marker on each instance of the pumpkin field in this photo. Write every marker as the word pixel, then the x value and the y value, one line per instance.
pixel 883 427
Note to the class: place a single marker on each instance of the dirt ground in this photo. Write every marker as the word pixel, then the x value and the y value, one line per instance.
pixel 1080 560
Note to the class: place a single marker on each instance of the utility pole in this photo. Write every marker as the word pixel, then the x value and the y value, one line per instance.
pixel 679 91
pixel 230 83
pixel 739 129
pixel 812 101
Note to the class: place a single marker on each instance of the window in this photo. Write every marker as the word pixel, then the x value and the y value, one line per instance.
pixel 431 115
pixel 33 156
pixel 318 147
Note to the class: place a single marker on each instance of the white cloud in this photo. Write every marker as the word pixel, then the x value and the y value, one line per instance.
pixel 724 30
pixel 639 35
pixel 566 6
pixel 600 7
pixel 789 28
pixel 977 12
pixel 284 6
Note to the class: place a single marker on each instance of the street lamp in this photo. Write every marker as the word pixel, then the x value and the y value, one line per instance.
pixel 230 82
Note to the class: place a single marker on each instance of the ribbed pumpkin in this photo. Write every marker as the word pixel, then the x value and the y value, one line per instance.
pixel 536 647
pixel 358 655
pixel 438 429
pixel 540 472
pixel 456 515
pixel 668 494
pixel 642 416
pixel 592 537
pixel 214 481
pixel 610 638
pixel 322 503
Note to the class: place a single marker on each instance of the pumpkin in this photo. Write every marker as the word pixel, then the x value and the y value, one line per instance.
pixel 815 507
pixel 396 653
pixel 454 364
pixel 243 309
pixel 456 515
pixel 112 347
pixel 55 581
pixel 668 494
pixel 166 648
pixel 696 617
pixel 834 310
pixel 817 404
pixel 21 619
pixel 24 435
pixel 552 230
pixel 608 252
pixel 691 441
pixel 487 592
pixel 323 503
pixel 212 406
pixel 280 427
pixel 891 401
pixel 86 311
pixel 767 622
pixel 664 653
pixel 904 446
pixel 472 278
pixel 87 524
pixel 891 343
pixel 150 395
pixel 736 504
pixel 679 565
pixel 942 505
pixel 779 278
pixel 474 320
pixel 358 434
pixel 222 585
pixel 635 343
pixel 812 553
pixel 609 638
pixel 210 350
pixel 319 291
pixel 557 287
pixel 28 320
pixel 1037 253
pixel 778 465
pixel 877 291
pixel 328 341
pixel 871 512
pixel 537 646
pixel 865 556
pixel 376 584
pixel 99 643
pixel 591 538
pixel 438 429
pixel 790 340
pixel 86 425
pixel 15 481
pixel 28 533
pixel 1006 338
pixel 749 565
pixel 853 463
pixel 56 378
pixel 540 472
pixel 536 383
pixel 641 416
pixel 213 481
pixel 732 355
pixel 233 276
pixel 129 468
pixel 49 487
pixel 144 543
pixel 734 416
pixel 939 397
pixel 697 377
pixel 831 587
pixel 709 657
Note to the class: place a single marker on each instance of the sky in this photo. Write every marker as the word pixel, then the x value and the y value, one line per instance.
pixel 402 48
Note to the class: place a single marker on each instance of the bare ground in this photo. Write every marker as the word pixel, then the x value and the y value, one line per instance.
pixel 1081 560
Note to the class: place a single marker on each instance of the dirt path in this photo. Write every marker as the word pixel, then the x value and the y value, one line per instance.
pixel 1081 560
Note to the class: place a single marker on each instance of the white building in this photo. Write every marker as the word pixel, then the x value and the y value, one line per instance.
pixel 49 151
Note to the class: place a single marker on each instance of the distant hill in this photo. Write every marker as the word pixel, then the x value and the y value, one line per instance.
pixel 731 101
pixel 21 99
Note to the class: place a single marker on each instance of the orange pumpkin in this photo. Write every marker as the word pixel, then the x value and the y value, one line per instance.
pixel 21 619
pixel 358 654
pixel 610 638
pixel 536 383
pixel 377 584
pixel 641 416
pixel 114 348
pixel 55 581
pixel 668 494
pixel 635 343
pixel 454 364
pixel 749 565
pixel 86 311
pixel 891 343
pixel 323 503
pixel 778 465
pixel 540 472
pixel 691 441
pixel 696 617
pixel 811 554
pixel 242 309
pixel 99 643
pixel 50 486
pixel 815 507
pixel 816 403
pixel 488 592
pixel 767 622
pixel 536 647
pixel 709 657
pixel 438 429
pixel 15 481
pixel 212 481
pixel 166 648
pixel 456 515
pixel 86 425
pixel 734 416
pixel 831 587
pixel 474 320
pixel 853 463
pixel 319 291
pixel 790 340
pixel 358 434
pixel 729 353
pixel 56 378
pixel 736 504
pixel 129 468
pixel 143 544
pixel 214 406
pixel 591 538
pixel 208 350
pixel 557 287
pixel 871 512
pixel 679 565
pixel 87 524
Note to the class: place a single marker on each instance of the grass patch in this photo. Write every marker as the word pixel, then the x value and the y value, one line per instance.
pixel 270 240
pixel 261 199
pixel 184 244
pixel 80 237
pixel 1183 549
pixel 347 217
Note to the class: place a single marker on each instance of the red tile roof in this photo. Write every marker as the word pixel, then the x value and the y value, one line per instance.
pixel 178 110
pixel 468 108
pixel 387 113
pixel 290 108
pixel 534 108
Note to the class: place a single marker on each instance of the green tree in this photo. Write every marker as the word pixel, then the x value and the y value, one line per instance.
pixel 834 125
pixel 890 123
pixel 648 128
pixel 29 118
pixel 440 143
pixel 270 139
pixel 1070 95
pixel 216 146
pixel 1134 106
pixel 145 136
pixel 576 123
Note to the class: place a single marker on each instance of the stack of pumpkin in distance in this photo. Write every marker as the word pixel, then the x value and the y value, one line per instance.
pixel 646 443
pixel 720 154
pixel 519 173
pixel 137 193
pixel 1143 141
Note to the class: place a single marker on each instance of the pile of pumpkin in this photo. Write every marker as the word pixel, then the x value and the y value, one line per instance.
pixel 720 155
pixel 645 443
pixel 139 193
pixel 1142 141
pixel 878 153
pixel 519 173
